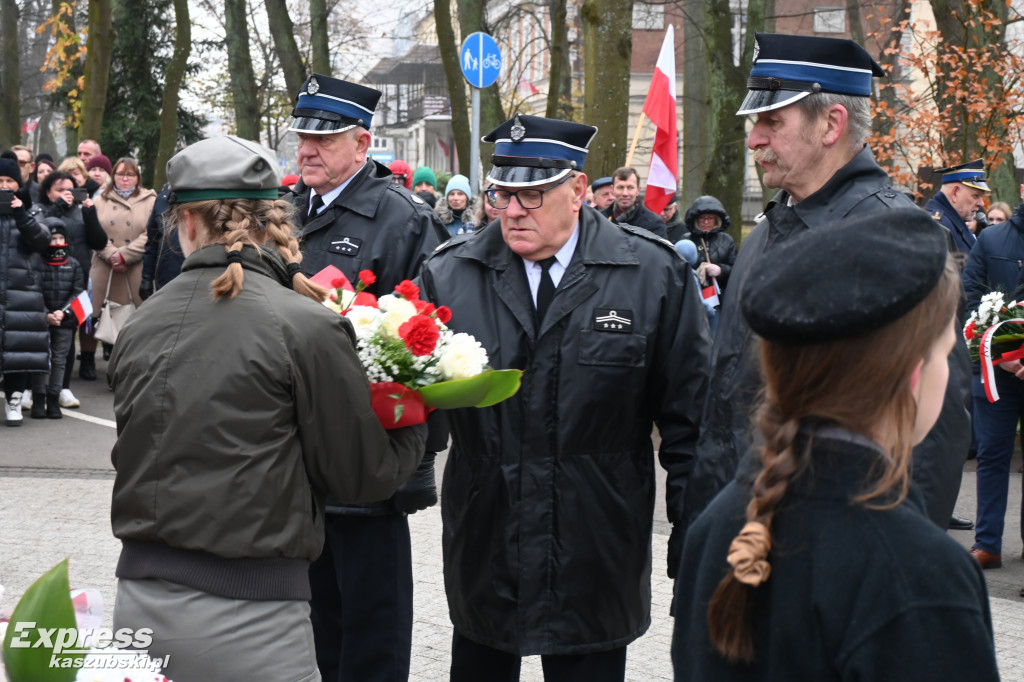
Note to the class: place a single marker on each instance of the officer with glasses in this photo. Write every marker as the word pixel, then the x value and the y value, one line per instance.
pixel 548 495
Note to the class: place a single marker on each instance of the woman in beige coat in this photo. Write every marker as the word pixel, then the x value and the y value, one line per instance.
pixel 123 208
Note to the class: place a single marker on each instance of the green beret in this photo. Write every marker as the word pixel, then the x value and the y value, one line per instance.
pixel 225 167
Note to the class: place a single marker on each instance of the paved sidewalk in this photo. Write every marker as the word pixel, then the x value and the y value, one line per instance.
pixel 43 520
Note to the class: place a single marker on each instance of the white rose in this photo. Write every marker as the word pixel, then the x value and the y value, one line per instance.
pixel 397 313
pixel 461 357
pixel 365 320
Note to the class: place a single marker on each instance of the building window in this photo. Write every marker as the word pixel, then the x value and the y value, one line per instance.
pixel 830 20
pixel 648 17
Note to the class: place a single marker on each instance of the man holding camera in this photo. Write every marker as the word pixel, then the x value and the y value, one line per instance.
pixel 961 196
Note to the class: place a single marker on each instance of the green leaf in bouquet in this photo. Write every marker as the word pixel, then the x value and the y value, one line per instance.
pixel 47 604
pixel 482 390
pixel 504 384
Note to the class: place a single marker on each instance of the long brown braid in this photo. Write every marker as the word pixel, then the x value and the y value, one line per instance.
pixel 849 383
pixel 256 222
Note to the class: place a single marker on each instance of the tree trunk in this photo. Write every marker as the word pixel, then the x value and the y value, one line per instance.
pixel 243 82
pixel 318 31
pixel 10 78
pixel 607 49
pixel 449 47
pixel 100 39
pixel 175 74
pixel 560 77
pixel 697 117
pixel 283 32
pixel 726 169
pixel 473 18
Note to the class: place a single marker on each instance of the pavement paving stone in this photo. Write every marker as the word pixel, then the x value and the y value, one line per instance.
pixel 43 520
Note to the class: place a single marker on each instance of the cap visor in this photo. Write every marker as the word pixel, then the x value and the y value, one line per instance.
pixel 318 126
pixel 977 184
pixel 524 176
pixel 766 100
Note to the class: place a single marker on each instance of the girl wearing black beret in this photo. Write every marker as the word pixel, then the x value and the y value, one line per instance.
pixel 818 562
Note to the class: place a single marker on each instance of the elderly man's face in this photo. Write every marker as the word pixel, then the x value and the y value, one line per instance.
pixel 536 234
pixel 789 149
pixel 604 197
pixel 25 161
pixel 966 200
pixel 669 212
pixel 326 161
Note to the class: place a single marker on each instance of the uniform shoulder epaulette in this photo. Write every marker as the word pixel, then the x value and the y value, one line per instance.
pixel 409 197
pixel 646 234
pixel 451 242
pixel 891 197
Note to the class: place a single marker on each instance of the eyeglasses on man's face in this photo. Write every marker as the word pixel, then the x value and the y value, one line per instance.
pixel 527 198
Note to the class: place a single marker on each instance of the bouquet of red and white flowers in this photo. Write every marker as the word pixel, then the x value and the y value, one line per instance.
pixel 995 333
pixel 413 361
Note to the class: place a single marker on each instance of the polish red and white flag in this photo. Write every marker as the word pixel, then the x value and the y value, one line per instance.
pixel 660 108
pixel 82 307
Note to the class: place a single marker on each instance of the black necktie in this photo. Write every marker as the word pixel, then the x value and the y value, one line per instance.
pixel 314 207
pixel 546 290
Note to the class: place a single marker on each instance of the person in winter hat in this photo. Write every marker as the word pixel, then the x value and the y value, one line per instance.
pixel 455 208
pixel 707 222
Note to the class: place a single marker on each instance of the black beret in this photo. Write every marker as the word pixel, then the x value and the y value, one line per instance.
pixel 844 279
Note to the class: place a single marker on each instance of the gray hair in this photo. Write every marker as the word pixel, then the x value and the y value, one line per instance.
pixel 858 111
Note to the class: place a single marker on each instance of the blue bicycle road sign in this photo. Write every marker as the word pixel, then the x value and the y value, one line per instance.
pixel 480 60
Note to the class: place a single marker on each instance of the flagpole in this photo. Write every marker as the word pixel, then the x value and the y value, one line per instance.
pixel 636 138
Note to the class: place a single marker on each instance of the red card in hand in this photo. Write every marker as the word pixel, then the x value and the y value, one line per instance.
pixel 328 277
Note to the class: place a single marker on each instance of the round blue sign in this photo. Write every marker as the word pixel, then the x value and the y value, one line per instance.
pixel 480 60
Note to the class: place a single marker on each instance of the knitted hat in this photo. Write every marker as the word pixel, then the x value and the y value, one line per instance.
pixel 9 166
pixel 225 167
pixel 424 174
pixel 401 170
pixel 459 182
pixel 100 161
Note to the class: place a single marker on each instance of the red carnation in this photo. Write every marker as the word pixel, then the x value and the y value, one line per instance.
pixel 365 298
pixel 444 313
pixel 367 277
pixel 420 335
pixel 969 331
pixel 408 290
pixel 338 282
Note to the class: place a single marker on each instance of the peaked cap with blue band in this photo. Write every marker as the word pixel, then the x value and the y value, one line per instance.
pixel 328 105
pixel 788 68
pixel 531 150
pixel 971 174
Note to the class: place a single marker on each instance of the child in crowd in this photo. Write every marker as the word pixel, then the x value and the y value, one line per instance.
pixel 63 281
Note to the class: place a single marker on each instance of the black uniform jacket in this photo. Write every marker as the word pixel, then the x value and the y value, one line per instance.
pixel 373 225
pixel 855 593
pixel 943 211
pixel 859 187
pixel 548 496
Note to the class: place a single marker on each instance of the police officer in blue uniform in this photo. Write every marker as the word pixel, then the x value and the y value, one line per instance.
pixel 356 218
pixel 961 196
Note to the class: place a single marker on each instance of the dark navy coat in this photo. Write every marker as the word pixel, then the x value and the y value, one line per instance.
pixel 860 187
pixel 943 211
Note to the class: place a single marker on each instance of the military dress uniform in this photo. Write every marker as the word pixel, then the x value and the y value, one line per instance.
pixel 549 495
pixel 362 582
pixel 971 174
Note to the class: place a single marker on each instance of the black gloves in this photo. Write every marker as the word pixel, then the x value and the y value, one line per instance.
pixel 146 289
pixel 420 491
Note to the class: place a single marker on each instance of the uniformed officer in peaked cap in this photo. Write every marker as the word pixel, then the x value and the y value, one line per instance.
pixel 959 199
pixel 354 218
pixel 788 68
pixel 808 99
pixel 548 495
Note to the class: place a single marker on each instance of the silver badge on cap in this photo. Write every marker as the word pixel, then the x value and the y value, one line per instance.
pixel 518 130
pixel 313 86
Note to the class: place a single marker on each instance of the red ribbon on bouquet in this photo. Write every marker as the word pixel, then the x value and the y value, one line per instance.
pixel 396 405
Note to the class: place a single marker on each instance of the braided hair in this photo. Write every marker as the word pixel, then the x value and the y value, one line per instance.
pixel 849 382
pixel 256 222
